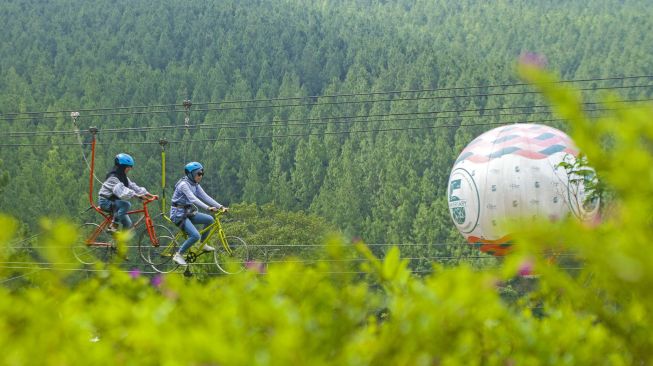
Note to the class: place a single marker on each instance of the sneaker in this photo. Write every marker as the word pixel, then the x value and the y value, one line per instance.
pixel 208 248
pixel 112 228
pixel 179 259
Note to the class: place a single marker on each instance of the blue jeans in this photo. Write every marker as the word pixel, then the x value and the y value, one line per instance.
pixel 191 230
pixel 119 209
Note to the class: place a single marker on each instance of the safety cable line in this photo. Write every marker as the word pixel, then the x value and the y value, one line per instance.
pixel 436 258
pixel 294 260
pixel 324 120
pixel 206 126
pixel 8 115
pixel 298 121
pixel 180 271
pixel 316 104
pixel 22 275
pixel 421 245
pixel 408 99
pixel 296 135
pixel 14 245
pixel 425 90
pixel 75 269
pixel 398 129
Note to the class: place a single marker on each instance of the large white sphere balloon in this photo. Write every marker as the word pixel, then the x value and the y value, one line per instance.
pixel 512 173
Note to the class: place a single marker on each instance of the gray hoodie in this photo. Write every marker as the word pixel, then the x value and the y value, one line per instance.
pixel 186 193
pixel 113 186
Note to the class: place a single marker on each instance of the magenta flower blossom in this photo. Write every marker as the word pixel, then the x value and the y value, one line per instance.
pixel 135 273
pixel 157 280
pixel 533 59
pixel 255 266
pixel 526 267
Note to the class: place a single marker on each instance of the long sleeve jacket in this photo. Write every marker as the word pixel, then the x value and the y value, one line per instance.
pixel 114 188
pixel 187 193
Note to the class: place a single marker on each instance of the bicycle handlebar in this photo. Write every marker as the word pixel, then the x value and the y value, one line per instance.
pixel 218 212
pixel 148 200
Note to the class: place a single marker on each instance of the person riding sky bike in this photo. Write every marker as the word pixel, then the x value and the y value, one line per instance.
pixel 117 189
pixel 183 212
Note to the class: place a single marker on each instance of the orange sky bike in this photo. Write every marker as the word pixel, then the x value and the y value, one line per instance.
pixel 95 243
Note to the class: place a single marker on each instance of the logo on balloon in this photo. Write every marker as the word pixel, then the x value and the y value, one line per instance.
pixel 464 208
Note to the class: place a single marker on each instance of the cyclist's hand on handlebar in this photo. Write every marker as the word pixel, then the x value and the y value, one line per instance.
pixel 221 209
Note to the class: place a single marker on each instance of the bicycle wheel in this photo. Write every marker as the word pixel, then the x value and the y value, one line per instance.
pixel 96 250
pixel 159 257
pixel 236 261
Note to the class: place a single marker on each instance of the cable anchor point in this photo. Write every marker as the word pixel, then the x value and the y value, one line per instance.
pixel 187 104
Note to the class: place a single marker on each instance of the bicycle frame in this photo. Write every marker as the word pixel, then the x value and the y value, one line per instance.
pixel 216 226
pixel 146 218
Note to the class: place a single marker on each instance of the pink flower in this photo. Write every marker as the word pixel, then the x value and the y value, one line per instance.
pixel 255 266
pixel 526 267
pixel 157 280
pixel 135 273
pixel 533 59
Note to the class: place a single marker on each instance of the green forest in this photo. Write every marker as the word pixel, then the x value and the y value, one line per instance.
pixel 323 125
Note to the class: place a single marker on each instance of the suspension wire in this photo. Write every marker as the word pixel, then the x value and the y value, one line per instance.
pixel 14 245
pixel 19 115
pixel 409 99
pixel 459 257
pixel 181 272
pixel 221 109
pixel 437 246
pixel 424 90
pixel 19 276
pixel 59 268
pixel 398 129
pixel 323 120
pixel 363 118
pixel 224 109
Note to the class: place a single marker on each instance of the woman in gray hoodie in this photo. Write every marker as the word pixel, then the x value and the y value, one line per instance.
pixel 117 189
pixel 187 196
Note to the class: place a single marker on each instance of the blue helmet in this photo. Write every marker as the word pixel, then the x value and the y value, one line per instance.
pixel 124 159
pixel 190 167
